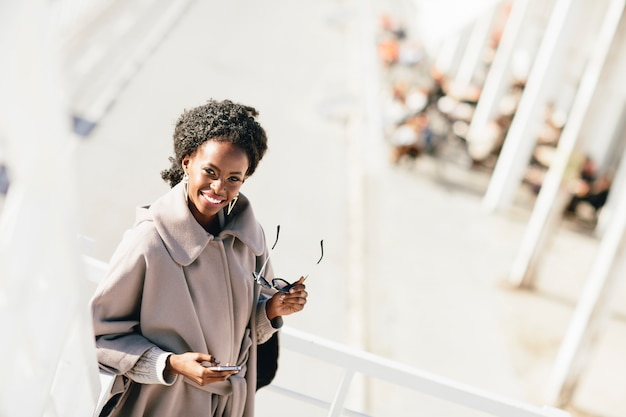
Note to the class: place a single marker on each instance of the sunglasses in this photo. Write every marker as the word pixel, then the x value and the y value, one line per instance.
pixel 279 284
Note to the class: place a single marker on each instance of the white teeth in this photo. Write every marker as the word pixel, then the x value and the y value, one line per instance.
pixel 213 200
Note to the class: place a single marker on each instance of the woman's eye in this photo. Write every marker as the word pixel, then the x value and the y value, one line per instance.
pixel 210 172
pixel 234 179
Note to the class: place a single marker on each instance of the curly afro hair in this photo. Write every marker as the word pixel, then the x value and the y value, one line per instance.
pixel 222 121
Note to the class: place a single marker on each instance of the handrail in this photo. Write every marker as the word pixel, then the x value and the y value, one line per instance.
pixel 356 361
pixel 353 361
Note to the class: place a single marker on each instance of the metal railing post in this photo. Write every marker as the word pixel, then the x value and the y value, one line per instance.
pixel 342 393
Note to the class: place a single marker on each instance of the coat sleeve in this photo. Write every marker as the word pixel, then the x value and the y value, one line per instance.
pixel 116 306
pixel 265 327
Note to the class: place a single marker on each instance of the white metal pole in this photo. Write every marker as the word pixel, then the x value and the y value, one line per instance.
pixel 363 137
pixel 474 50
pixel 591 312
pixel 448 54
pixel 48 348
pixel 498 75
pixel 593 308
pixel 521 139
pixel 336 407
pixel 547 209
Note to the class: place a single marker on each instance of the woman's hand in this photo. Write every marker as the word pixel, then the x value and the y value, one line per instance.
pixel 283 304
pixel 195 366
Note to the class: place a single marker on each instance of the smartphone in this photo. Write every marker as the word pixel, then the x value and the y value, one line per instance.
pixel 225 368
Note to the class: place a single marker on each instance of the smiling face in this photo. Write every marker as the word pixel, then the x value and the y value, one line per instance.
pixel 216 172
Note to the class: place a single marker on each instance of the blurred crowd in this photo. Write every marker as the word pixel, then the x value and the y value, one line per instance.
pixel 427 114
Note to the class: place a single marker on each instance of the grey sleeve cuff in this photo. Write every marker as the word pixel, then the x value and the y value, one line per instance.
pixel 265 327
pixel 150 368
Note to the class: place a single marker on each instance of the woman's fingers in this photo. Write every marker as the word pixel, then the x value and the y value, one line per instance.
pixel 196 366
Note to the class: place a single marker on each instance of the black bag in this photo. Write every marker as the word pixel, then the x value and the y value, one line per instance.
pixel 267 361
pixel 115 387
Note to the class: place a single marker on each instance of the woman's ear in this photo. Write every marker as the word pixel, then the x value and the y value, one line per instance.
pixel 185 164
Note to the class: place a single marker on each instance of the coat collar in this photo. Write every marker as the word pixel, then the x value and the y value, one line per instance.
pixel 183 236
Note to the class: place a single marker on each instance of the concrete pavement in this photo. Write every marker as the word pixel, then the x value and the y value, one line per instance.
pixel 106 48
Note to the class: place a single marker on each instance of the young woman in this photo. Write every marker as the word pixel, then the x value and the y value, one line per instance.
pixel 179 297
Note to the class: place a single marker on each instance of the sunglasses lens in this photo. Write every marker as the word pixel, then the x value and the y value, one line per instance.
pixel 281 285
pixel 261 281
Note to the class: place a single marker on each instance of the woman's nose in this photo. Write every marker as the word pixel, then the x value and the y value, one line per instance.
pixel 218 185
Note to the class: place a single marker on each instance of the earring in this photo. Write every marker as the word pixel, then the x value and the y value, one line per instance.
pixel 185 186
pixel 231 205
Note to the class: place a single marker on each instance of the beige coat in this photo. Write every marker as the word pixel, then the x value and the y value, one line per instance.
pixel 173 285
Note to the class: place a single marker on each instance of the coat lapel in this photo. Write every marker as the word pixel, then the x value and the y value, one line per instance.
pixel 183 236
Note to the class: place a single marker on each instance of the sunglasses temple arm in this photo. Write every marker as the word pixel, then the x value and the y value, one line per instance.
pixel 265 264
pixel 277 234
pixel 322 255
pixel 270 254
pixel 319 260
